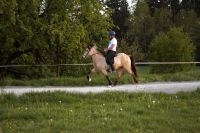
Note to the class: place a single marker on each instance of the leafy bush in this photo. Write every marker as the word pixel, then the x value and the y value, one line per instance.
pixel 173 46
pixel 132 48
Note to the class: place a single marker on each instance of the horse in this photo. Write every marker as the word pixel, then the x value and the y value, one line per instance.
pixel 122 62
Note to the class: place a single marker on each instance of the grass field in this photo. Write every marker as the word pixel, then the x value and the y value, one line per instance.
pixel 107 112
pixel 98 79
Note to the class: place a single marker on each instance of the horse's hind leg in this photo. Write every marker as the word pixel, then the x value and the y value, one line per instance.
pixel 134 78
pixel 109 81
pixel 107 77
pixel 132 74
pixel 119 73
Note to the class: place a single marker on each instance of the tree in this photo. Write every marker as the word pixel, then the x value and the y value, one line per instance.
pixel 196 38
pixel 19 25
pixel 173 46
pixel 191 4
pixel 187 20
pixel 173 7
pixel 162 20
pixel 49 32
pixel 141 26
pixel 119 15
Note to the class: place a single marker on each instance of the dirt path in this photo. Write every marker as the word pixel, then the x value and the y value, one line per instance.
pixel 155 87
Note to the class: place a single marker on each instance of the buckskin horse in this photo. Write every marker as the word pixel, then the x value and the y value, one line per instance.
pixel 121 62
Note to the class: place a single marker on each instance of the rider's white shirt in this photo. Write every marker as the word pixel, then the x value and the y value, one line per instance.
pixel 113 41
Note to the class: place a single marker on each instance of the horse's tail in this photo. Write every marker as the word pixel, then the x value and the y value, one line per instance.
pixel 133 65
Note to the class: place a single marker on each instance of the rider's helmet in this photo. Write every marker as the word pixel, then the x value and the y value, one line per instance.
pixel 112 33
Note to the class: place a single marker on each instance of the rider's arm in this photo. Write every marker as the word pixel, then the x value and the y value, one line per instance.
pixel 110 48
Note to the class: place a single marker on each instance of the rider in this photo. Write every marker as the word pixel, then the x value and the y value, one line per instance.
pixel 111 50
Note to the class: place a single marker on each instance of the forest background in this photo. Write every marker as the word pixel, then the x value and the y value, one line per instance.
pixel 57 32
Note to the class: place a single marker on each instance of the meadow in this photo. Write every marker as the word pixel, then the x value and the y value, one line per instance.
pixel 111 112
pixel 61 112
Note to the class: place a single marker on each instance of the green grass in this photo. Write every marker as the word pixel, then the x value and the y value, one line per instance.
pixel 98 79
pixel 61 112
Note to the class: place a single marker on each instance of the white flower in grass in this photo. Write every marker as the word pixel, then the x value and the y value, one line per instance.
pixel 176 98
pixel 105 118
pixel 121 109
pixel 60 102
pixel 26 108
pixel 70 110
pixel 153 102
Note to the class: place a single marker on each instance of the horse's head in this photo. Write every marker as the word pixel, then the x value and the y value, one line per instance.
pixel 89 51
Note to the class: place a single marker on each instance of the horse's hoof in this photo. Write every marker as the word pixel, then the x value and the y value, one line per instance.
pixel 89 79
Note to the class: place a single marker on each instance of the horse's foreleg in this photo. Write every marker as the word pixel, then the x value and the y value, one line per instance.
pixel 90 73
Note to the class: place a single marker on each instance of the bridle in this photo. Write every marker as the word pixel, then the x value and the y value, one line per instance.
pixel 86 54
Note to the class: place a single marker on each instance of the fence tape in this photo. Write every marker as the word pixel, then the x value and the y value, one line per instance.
pixel 89 64
pixel 164 63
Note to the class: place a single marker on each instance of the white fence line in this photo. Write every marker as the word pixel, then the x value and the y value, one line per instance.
pixel 5 66
pixel 164 63
pixel 89 64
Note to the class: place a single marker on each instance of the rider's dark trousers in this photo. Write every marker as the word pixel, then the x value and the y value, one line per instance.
pixel 110 58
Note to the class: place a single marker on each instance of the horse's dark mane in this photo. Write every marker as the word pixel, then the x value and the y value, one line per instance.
pixel 101 51
pixel 90 46
pixel 98 49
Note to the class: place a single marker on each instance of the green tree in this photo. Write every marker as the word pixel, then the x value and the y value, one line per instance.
pixel 191 5
pixel 162 20
pixel 196 38
pixel 173 6
pixel 19 25
pixel 187 20
pixel 141 26
pixel 49 32
pixel 119 15
pixel 173 46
